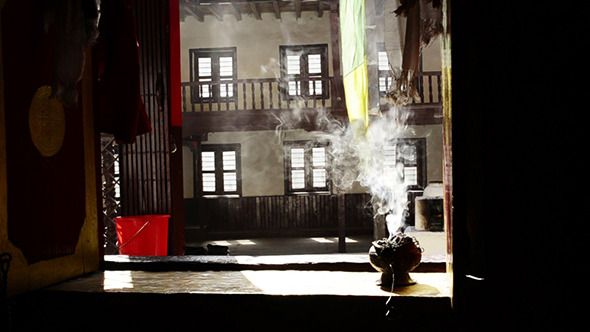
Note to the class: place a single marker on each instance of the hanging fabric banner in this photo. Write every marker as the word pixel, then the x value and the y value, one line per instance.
pixel 354 60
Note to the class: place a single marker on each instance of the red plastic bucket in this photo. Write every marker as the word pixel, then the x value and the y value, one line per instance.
pixel 145 235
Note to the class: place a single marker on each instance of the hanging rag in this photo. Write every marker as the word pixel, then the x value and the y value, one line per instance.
pixel 423 24
pixel 121 109
pixel 70 27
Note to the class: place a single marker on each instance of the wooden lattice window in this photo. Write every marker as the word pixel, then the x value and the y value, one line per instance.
pixel 306 167
pixel 304 69
pixel 213 66
pixel 411 153
pixel 220 170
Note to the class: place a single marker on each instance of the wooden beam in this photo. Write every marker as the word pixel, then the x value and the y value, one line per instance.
pixel 277 9
pixel 216 10
pixel 236 10
pixel 297 8
pixel 196 13
pixel 256 7
pixel 255 10
pixel 198 123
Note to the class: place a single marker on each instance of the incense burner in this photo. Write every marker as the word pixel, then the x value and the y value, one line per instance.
pixel 395 258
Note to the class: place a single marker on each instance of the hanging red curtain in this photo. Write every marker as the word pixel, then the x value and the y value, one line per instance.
pixel 121 109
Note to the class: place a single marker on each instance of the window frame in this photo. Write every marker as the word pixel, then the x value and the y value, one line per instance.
pixel 387 74
pixel 383 73
pixel 214 89
pixel 308 167
pixel 219 172
pixel 421 159
pixel 306 78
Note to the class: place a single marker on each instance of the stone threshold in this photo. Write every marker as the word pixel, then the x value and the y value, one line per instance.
pixel 316 262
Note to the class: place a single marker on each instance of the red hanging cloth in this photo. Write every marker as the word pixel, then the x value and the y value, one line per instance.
pixel 121 109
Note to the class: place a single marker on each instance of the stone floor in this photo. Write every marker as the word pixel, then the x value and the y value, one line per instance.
pixel 318 253
pixel 434 243
pixel 297 266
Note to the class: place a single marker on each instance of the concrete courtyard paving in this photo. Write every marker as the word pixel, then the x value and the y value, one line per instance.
pixel 433 243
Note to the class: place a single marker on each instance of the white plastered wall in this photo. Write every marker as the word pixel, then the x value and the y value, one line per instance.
pixel 257 43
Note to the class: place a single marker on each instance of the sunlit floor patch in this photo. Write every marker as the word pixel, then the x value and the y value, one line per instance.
pixel 271 282
pixel 283 246
pixel 332 240
pixel 246 242
pixel 221 243
pixel 117 280
pixel 322 240
pixel 342 283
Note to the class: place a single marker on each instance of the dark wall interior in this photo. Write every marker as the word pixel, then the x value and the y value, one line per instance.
pixel 510 160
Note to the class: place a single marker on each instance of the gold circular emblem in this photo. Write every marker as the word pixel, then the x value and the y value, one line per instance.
pixel 47 122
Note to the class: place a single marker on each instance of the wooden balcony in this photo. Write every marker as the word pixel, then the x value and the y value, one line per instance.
pixel 256 94
pixel 269 103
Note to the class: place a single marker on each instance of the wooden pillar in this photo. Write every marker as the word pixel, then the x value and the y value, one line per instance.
pixel 338 101
pixel 341 223
pixel 177 224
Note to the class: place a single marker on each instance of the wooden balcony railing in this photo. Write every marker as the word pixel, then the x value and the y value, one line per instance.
pixel 256 94
pixel 429 87
pixel 277 94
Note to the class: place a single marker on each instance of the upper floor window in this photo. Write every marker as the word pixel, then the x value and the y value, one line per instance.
pixel 306 167
pixel 220 168
pixel 411 152
pixel 304 68
pixel 212 66
pixel 384 75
